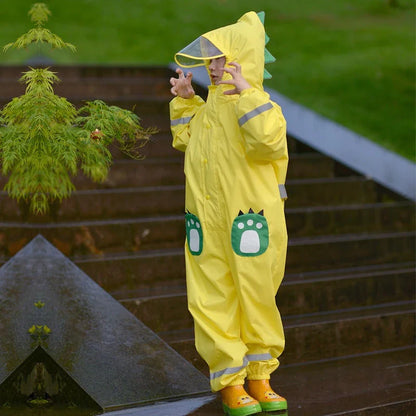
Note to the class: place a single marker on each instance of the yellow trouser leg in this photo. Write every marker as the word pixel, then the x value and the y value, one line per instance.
pixel 238 329
pixel 214 305
pixel 257 280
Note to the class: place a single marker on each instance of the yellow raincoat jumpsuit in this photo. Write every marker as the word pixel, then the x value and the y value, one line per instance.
pixel 235 164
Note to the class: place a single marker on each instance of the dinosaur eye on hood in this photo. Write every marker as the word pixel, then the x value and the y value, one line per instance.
pixel 197 53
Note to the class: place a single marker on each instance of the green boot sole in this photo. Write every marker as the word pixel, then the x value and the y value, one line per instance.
pixel 273 406
pixel 242 411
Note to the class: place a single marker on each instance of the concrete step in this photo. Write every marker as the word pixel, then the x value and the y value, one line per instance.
pixel 114 89
pixel 100 236
pixel 349 250
pixel 154 171
pixel 160 145
pixel 88 83
pixel 130 173
pixel 144 233
pixel 159 200
pixel 347 219
pixel 120 270
pixel 318 291
pixel 111 90
pixel 120 72
pixel 125 272
pixel 129 271
pixel 348 331
pixel 103 203
pixel 143 106
pixel 335 191
pixel 315 165
pixel 164 308
pixel 134 173
pixel 376 384
pixel 327 335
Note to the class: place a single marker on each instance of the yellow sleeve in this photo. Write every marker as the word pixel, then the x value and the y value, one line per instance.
pixel 262 125
pixel 182 110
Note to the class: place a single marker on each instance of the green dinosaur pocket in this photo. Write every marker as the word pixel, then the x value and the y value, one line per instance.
pixel 194 235
pixel 250 234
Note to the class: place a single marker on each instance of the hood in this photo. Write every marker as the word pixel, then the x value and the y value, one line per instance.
pixel 243 42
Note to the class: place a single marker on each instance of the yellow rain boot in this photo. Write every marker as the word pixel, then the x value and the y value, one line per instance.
pixel 268 399
pixel 236 402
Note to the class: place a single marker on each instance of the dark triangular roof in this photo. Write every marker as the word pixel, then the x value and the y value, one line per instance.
pixel 107 351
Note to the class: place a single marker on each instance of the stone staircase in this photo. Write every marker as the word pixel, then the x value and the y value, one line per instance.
pixel 347 300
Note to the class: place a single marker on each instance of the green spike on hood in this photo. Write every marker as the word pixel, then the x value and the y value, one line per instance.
pixel 268 57
pixel 267 74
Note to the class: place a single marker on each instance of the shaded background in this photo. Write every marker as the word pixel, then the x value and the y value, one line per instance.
pixel 350 60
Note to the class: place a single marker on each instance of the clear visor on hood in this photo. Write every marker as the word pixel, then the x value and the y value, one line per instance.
pixel 197 52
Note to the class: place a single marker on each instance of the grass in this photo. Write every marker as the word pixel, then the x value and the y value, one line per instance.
pixel 350 60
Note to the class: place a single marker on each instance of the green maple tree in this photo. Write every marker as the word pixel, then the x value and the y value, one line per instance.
pixel 45 140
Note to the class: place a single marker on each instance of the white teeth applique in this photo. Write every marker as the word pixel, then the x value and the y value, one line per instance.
pixel 250 234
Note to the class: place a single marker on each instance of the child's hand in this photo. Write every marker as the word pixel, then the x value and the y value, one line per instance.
pixel 238 80
pixel 182 86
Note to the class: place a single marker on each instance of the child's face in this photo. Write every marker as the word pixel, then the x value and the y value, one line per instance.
pixel 216 69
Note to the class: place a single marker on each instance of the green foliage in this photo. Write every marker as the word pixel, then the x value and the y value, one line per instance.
pixel 39 14
pixel 350 60
pixel 40 146
pixel 44 139
pixel 115 124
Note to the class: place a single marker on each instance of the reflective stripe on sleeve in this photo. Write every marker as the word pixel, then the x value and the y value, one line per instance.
pixel 282 190
pixel 254 113
pixel 183 120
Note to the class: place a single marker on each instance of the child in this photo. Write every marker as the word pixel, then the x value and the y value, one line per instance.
pixel 235 165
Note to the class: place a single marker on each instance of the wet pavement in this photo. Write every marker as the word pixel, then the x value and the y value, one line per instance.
pixel 178 408
pixel 208 406
pixel 378 384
